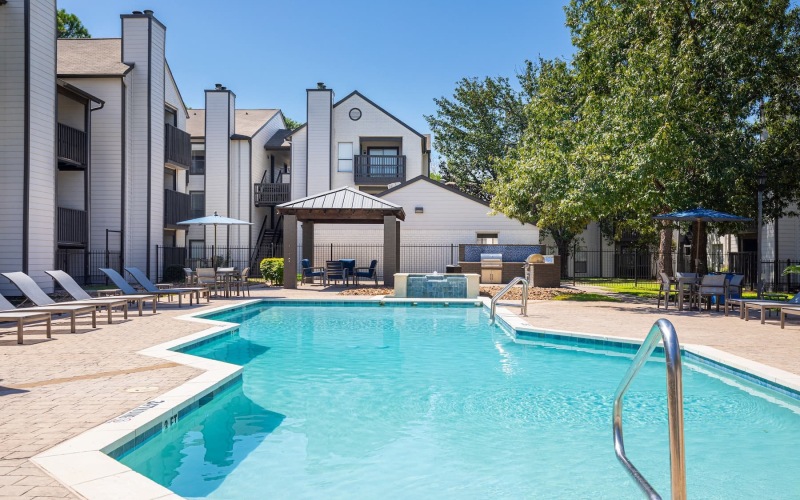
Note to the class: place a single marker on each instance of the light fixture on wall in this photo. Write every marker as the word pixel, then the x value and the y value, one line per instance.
pixel 418 210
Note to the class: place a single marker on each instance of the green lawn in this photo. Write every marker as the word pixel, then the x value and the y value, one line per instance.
pixel 587 297
pixel 644 289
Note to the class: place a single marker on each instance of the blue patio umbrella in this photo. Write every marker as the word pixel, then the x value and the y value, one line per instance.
pixel 214 220
pixel 701 214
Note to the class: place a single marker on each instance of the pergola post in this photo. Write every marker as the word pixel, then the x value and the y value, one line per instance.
pixel 391 248
pixel 308 241
pixel 290 251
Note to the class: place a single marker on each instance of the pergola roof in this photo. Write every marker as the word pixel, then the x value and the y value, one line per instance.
pixel 344 205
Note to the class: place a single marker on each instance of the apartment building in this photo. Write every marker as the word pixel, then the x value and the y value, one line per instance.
pixel 94 153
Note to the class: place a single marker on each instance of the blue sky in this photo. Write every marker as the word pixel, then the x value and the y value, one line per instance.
pixel 401 55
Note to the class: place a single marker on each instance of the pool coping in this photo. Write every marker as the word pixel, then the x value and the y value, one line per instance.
pixel 83 466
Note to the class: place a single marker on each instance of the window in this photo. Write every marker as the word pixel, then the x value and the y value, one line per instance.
pixel 345 157
pixel 488 239
pixel 198 166
pixel 197 203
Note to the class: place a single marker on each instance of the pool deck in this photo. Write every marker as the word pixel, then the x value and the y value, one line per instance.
pixel 53 390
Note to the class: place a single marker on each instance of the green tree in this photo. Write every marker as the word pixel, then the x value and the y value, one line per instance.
pixel 683 103
pixel 476 128
pixel 539 180
pixel 69 26
pixel 291 124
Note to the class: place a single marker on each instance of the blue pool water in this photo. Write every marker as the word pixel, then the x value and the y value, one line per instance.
pixel 433 402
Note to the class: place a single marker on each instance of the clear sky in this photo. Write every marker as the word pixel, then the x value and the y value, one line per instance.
pixel 399 54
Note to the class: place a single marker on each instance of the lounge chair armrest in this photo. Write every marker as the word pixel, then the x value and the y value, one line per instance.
pixel 362 269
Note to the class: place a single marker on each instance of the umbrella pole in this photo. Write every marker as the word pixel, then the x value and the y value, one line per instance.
pixel 214 249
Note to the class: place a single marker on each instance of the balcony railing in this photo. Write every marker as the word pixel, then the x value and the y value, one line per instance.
pixel 267 194
pixel 73 150
pixel 176 208
pixel 177 147
pixel 73 227
pixel 379 170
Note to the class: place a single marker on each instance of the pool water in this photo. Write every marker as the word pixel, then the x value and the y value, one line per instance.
pixel 434 402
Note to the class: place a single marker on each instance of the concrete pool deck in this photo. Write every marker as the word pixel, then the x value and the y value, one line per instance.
pixel 53 390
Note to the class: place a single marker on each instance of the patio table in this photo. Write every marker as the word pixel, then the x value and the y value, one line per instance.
pixel 686 284
pixel 225 276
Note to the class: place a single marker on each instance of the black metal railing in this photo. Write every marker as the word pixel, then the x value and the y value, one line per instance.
pixel 176 208
pixel 84 266
pixel 209 256
pixel 267 194
pixel 379 170
pixel 177 146
pixel 73 226
pixel 73 146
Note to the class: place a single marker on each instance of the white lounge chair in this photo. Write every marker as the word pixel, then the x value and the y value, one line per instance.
pixel 8 313
pixel 74 289
pixel 46 304
pixel 150 287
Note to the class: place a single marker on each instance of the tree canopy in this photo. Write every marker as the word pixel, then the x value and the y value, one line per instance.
pixel 69 26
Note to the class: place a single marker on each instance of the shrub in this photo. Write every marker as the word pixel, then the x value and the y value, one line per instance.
pixel 272 270
pixel 173 274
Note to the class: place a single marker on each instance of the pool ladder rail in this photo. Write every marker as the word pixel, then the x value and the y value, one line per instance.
pixel 524 310
pixel 661 330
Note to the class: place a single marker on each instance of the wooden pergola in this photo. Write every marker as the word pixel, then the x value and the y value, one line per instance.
pixel 339 206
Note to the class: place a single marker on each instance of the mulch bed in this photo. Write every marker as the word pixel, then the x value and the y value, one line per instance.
pixel 486 291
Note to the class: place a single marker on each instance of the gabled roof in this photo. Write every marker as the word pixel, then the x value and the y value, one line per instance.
pixel 435 183
pixel 278 140
pixel 90 57
pixel 248 121
pixel 359 94
pixel 345 205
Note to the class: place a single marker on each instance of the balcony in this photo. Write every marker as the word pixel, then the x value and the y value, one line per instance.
pixel 72 148
pixel 176 209
pixel 177 147
pixel 269 194
pixel 73 227
pixel 379 170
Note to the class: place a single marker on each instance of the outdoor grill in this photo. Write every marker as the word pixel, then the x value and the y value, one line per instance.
pixel 491 268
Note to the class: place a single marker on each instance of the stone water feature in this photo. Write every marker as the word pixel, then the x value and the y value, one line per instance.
pixel 436 286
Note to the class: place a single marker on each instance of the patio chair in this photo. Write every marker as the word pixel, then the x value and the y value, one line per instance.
pixel 76 292
pixel 150 287
pixel 8 313
pixel 335 271
pixel 713 285
pixel 191 276
pixel 733 291
pixel 207 277
pixel 309 273
pixel 667 290
pixel 369 273
pixel 242 282
pixel 43 303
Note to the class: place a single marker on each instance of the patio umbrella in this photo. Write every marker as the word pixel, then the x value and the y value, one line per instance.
pixel 214 220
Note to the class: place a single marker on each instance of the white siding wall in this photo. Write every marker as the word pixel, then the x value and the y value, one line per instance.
pixel 71 112
pixel 299 166
pixel 42 237
pixel 240 186
pixel 157 130
pixel 219 127
pixel 319 106
pixel 373 123
pixel 106 169
pixel 12 120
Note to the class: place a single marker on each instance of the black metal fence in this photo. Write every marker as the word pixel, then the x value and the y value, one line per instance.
pixel 85 266
pixel 210 256
pixel 641 267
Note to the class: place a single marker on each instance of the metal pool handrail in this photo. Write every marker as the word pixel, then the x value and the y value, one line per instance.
pixel 677 458
pixel 524 311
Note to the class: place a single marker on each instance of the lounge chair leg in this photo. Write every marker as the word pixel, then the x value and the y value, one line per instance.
pixel 19 331
pixel 125 310
pixel 141 305
pixel 763 314
pixel 49 328
pixel 180 300
pixel 783 320
pixel 94 318
pixel 72 322
pixel 110 311
pixel 154 305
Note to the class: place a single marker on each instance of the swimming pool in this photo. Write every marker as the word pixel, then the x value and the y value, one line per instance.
pixel 355 400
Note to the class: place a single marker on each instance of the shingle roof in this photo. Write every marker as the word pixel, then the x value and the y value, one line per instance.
pixel 248 121
pixel 345 204
pixel 278 140
pixel 90 56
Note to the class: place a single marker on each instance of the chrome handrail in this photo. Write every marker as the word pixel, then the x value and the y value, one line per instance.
pixel 677 457
pixel 524 311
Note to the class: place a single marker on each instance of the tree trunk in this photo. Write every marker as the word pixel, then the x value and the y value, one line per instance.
pixel 564 252
pixel 700 247
pixel 665 250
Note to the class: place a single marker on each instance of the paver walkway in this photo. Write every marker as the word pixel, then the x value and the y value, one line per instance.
pixel 52 390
